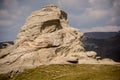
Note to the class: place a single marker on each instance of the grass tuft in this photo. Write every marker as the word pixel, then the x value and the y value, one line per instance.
pixel 71 72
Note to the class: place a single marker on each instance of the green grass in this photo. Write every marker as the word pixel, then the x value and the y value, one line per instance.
pixel 71 72
pixel 4 77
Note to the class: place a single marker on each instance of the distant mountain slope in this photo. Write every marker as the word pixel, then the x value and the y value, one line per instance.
pixel 106 48
pixel 100 35
pixel 10 42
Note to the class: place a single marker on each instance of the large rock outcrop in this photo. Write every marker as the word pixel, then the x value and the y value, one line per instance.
pixel 46 38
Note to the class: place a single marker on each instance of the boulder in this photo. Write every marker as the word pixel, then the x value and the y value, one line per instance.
pixel 91 54
pixel 72 59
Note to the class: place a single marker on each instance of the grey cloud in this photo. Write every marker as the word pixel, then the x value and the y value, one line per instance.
pixel 88 14
pixel 101 4
pixel 116 13
pixel 102 29
pixel 12 16
pixel 74 7
pixel 111 6
pixel 1 4
pixel 8 34
pixel 82 14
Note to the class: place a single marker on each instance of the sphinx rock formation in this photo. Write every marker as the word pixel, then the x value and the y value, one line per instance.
pixel 45 38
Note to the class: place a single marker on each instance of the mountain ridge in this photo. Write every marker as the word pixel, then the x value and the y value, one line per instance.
pixel 100 35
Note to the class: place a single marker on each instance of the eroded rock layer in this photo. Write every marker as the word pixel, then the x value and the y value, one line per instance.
pixel 45 38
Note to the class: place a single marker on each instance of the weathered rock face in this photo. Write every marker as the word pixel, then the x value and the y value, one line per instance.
pixel 45 38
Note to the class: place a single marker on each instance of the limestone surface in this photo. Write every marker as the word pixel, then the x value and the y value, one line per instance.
pixel 45 38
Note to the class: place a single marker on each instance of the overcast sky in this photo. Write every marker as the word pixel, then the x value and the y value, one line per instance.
pixel 86 15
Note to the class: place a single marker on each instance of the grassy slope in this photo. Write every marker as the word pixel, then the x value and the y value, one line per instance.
pixel 71 72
